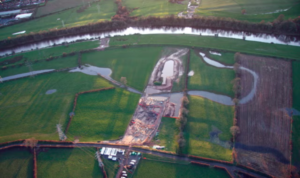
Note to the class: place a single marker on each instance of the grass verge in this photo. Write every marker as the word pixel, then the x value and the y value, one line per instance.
pixel 167 134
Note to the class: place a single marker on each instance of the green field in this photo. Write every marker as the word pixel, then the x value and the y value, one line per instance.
pixel 296 105
pixel 255 9
pixel 155 7
pixel 227 58
pixel 210 78
pixel 70 17
pixel 167 134
pixel 59 63
pixel 77 162
pixel 53 51
pixel 206 116
pixel 103 115
pixel 136 64
pixel 111 168
pixel 153 168
pixel 26 111
pixel 16 163
pixel 53 6
pixel 232 45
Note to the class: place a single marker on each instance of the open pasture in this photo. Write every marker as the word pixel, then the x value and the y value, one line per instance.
pixel 207 131
pixel 16 163
pixel 209 78
pixel 153 167
pixel 66 162
pixel 157 8
pixel 264 124
pixel 256 10
pixel 27 111
pixel 136 63
pixel 102 115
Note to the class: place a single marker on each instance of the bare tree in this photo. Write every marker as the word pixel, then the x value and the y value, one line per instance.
pixel 234 130
pixel 184 111
pixel 185 101
pixel 237 56
pixel 124 81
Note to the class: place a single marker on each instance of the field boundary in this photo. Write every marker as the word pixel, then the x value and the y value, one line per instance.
pixel 75 103
pixel 34 163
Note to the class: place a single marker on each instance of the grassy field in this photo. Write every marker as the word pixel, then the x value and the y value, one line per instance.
pixel 70 17
pixel 136 64
pixel 206 116
pixel 77 162
pixel 227 58
pixel 150 168
pixel 58 5
pixel 59 63
pixel 155 7
pixel 26 111
pixel 232 45
pixel 111 168
pixel 167 134
pixel 296 105
pixel 255 10
pixel 53 51
pixel 210 78
pixel 103 115
pixel 16 163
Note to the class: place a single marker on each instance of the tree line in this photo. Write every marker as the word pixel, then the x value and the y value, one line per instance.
pixel 278 27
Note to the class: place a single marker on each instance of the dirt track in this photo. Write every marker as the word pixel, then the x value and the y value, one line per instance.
pixel 262 121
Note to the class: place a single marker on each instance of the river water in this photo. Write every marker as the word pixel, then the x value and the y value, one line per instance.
pixel 132 30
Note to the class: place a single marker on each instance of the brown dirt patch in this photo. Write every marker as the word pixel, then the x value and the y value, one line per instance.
pixel 261 120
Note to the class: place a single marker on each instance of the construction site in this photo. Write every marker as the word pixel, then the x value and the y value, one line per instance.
pixel 145 120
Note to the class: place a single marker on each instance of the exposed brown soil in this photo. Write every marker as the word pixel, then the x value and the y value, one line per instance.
pixel 262 121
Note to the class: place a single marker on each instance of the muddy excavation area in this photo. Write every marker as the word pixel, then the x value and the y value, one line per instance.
pixel 167 70
pixel 145 121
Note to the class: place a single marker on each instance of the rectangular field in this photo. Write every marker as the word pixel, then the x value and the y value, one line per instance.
pixel 209 78
pixel 136 63
pixel 102 115
pixel 158 8
pixel 207 131
pixel 155 167
pixel 16 162
pixel 66 162
pixel 256 10
pixel 27 111
pixel 265 126
pixel 168 131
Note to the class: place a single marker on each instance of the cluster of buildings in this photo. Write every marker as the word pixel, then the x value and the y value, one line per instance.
pixel 111 153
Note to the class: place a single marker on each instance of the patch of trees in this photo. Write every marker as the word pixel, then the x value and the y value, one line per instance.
pixel 181 123
pixel 278 27
pixel 123 13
